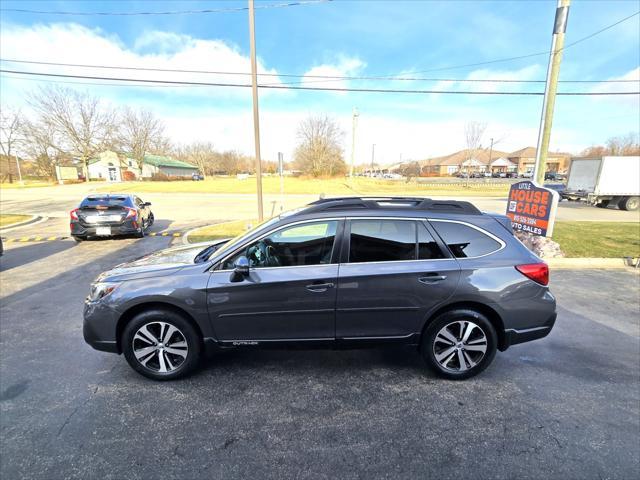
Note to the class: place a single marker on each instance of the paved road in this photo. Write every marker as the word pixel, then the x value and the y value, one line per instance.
pixel 563 407
pixel 183 208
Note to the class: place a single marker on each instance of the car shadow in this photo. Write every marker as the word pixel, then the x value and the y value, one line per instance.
pixel 32 252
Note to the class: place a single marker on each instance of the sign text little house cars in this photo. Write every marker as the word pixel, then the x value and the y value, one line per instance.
pixel 532 208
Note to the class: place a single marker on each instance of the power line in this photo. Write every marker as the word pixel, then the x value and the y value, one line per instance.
pixel 289 87
pixel 174 12
pixel 520 57
pixel 288 75
pixel 362 77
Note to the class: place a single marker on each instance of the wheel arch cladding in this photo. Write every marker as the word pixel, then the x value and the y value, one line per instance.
pixel 482 308
pixel 131 313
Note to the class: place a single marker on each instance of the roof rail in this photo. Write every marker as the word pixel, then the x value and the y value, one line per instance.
pixel 372 203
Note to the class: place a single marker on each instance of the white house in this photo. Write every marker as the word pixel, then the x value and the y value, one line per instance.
pixel 107 166
pixel 110 166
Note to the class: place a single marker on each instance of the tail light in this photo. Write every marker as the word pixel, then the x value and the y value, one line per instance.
pixel 131 212
pixel 74 214
pixel 538 272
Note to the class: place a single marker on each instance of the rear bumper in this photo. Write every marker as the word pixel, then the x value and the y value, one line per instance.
pixel 128 227
pixel 513 336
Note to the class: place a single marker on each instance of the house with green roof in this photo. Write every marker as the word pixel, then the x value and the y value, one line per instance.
pixel 110 166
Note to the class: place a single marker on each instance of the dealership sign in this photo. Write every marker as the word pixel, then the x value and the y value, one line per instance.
pixel 532 208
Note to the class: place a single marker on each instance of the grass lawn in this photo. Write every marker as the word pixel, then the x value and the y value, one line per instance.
pixel 221 230
pixel 6 220
pixel 598 239
pixel 311 186
pixel 577 239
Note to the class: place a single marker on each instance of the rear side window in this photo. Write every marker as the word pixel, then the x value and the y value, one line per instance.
pixel 427 247
pixel 465 241
pixel 382 241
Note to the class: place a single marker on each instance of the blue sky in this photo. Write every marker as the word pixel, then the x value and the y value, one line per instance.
pixel 353 38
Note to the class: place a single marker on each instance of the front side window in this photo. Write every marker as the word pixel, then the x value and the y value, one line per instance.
pixel 294 246
pixel 382 240
pixel 465 241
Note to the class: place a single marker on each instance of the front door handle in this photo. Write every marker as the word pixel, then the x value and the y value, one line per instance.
pixel 432 278
pixel 319 287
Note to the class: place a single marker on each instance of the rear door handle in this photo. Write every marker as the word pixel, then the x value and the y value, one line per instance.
pixel 319 287
pixel 432 278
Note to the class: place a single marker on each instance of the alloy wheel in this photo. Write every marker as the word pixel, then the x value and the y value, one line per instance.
pixel 160 347
pixel 459 346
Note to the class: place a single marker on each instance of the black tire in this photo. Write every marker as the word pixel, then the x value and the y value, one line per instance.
pixel 153 319
pixel 140 233
pixel 151 220
pixel 473 362
pixel 602 204
pixel 629 203
pixel 78 239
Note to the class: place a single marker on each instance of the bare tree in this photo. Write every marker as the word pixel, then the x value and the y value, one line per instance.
pixel 203 155
pixel 628 144
pixel 11 130
pixel 319 150
pixel 140 132
pixel 41 145
pixel 473 133
pixel 85 127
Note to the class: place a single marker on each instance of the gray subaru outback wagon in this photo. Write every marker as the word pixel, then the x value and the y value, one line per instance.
pixel 343 272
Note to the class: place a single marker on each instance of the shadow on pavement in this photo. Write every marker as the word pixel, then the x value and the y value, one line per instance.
pixel 16 257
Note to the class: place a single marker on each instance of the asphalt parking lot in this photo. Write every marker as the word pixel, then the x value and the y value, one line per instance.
pixel 567 406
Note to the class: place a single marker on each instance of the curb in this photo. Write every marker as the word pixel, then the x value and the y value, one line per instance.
pixel 587 263
pixel 33 220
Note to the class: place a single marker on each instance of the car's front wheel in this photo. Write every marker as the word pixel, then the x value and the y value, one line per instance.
pixel 161 345
pixel 459 344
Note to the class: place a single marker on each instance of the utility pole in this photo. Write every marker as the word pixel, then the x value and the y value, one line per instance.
pixel 19 172
pixel 281 172
pixel 354 123
pixel 551 87
pixel 256 118
pixel 490 154
pixel 373 157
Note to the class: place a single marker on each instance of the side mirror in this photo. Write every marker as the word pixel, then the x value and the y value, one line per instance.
pixel 147 204
pixel 241 269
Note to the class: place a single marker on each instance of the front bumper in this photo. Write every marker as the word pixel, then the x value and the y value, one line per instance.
pixel 99 327
pixel 128 227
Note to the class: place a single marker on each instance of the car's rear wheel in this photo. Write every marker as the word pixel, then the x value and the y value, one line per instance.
pixel 459 344
pixel 78 239
pixel 161 345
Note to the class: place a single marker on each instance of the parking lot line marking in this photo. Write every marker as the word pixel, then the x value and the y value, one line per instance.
pixel 24 239
pixel 164 234
pixel 52 238
pixel 152 234
pixel 177 234
pixel 37 239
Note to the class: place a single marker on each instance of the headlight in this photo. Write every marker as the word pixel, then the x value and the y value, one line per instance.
pixel 100 290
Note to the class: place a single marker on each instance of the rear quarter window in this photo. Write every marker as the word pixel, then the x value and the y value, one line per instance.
pixel 465 241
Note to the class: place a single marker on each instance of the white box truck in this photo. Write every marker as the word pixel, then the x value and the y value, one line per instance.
pixel 605 181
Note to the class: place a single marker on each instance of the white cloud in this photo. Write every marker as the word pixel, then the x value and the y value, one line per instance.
pixel 73 43
pixel 344 66
pixel 530 72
